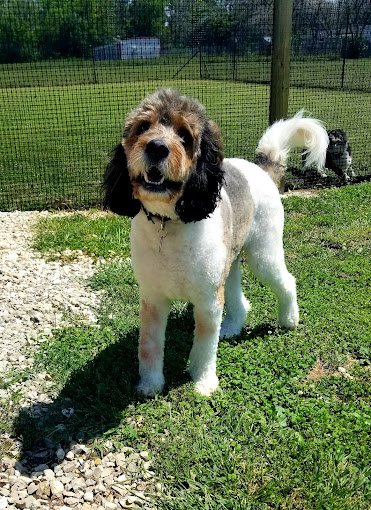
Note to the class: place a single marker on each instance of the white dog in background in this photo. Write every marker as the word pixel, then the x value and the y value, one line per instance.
pixel 194 214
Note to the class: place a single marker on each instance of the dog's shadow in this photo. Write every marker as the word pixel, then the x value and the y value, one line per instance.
pixel 101 395
pixel 95 399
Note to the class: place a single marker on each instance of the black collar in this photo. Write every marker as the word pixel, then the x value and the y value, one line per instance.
pixel 150 216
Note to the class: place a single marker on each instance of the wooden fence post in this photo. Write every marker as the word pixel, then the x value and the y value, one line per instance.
pixel 280 70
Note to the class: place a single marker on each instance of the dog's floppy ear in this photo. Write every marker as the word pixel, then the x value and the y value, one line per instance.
pixel 202 190
pixel 117 188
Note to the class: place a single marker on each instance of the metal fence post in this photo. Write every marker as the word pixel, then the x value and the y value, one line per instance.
pixel 280 70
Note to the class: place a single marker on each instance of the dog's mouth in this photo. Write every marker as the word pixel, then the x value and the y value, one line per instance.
pixel 153 180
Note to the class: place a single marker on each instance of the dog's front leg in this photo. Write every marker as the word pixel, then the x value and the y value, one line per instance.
pixel 153 317
pixel 202 366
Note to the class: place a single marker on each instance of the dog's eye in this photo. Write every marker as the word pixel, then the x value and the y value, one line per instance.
pixel 143 127
pixel 185 136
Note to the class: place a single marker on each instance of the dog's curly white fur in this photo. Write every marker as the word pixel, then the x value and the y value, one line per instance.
pixel 194 214
pixel 276 143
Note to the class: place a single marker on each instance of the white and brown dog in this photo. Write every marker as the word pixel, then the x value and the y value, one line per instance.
pixel 194 214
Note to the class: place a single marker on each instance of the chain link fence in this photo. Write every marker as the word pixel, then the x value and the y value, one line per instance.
pixel 70 71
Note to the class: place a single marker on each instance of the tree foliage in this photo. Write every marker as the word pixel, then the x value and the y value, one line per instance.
pixel 340 23
pixel 40 29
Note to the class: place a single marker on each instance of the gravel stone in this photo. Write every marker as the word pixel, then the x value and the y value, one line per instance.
pixel 89 496
pixel 60 453
pixel 73 502
pixel 110 506
pixel 32 488
pixel 31 502
pixel 56 487
pixel 106 472
pixel 49 474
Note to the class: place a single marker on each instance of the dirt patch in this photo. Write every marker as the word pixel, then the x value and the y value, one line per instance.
pixel 304 193
pixel 318 372
pixel 87 213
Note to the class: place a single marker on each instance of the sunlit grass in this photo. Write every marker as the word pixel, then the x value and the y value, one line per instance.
pixel 272 436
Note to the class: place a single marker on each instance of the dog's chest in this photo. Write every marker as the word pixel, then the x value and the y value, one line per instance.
pixel 340 158
pixel 187 263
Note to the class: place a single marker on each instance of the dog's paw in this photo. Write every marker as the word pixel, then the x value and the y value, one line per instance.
pixel 232 325
pixel 288 314
pixel 290 321
pixel 150 387
pixel 229 329
pixel 290 326
pixel 206 387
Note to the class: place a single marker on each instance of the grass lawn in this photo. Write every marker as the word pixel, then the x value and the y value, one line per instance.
pixel 306 71
pixel 290 426
pixel 63 117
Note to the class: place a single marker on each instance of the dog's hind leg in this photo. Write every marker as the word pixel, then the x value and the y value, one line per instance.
pixel 202 366
pixel 236 305
pixel 153 317
pixel 265 258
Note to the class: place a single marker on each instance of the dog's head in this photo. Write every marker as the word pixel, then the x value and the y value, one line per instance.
pixel 169 160
pixel 338 141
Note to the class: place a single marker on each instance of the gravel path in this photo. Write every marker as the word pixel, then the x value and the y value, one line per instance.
pixel 35 295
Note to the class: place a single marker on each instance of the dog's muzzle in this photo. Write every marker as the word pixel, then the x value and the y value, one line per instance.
pixel 154 180
pixel 156 152
pixel 153 177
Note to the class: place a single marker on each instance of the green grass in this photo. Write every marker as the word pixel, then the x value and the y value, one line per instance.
pixel 271 437
pixel 60 122
pixel 305 71
pixel 92 233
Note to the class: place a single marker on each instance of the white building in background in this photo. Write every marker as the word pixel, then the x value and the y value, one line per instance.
pixel 134 48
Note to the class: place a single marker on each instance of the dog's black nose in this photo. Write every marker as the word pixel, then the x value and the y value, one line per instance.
pixel 157 150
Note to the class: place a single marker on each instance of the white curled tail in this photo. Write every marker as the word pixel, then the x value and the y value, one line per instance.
pixel 275 144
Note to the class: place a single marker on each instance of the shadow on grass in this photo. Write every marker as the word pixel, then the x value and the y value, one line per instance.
pixel 263 330
pixel 99 397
